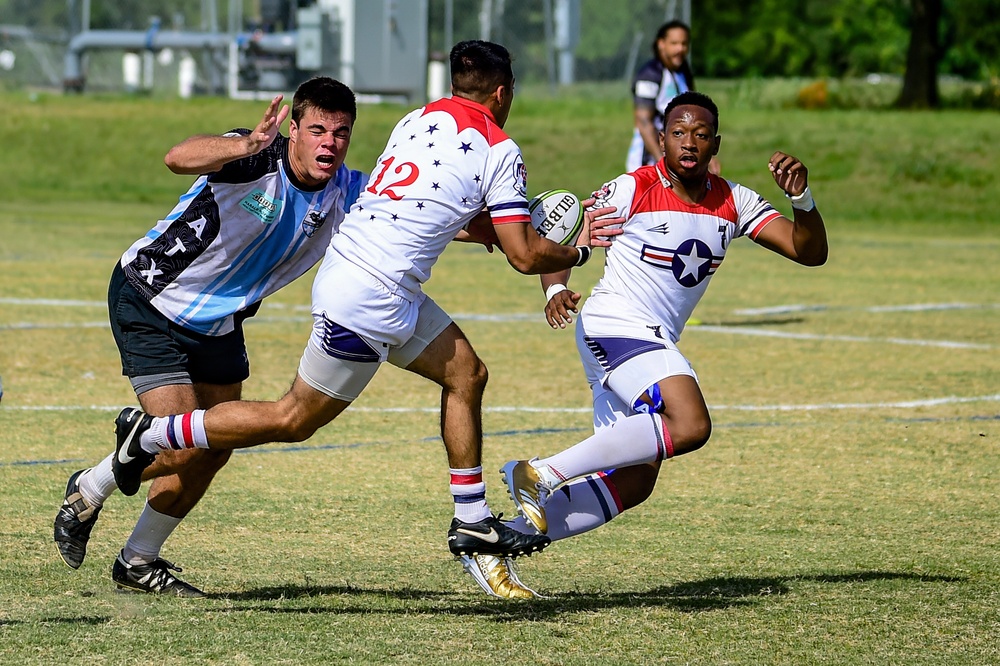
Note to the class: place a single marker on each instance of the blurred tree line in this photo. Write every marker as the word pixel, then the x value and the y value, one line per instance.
pixel 738 38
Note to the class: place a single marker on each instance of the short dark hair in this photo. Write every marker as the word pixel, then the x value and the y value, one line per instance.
pixel 478 68
pixel 325 94
pixel 691 98
pixel 664 29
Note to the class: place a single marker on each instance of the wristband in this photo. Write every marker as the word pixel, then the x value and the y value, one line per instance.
pixel 585 252
pixel 802 201
pixel 553 290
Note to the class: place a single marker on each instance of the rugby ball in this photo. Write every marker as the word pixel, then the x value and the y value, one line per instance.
pixel 557 215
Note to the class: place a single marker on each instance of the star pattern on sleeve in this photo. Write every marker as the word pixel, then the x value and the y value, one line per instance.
pixel 465 147
pixel 432 128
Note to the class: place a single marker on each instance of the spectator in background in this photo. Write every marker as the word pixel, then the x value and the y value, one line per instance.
pixel 662 78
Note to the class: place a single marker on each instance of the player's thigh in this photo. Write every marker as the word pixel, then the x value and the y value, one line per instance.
pixel 337 363
pixel 439 350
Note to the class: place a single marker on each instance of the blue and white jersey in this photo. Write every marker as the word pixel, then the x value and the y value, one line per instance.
pixel 237 236
pixel 655 86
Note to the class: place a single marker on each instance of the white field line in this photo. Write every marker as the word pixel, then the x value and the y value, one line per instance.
pixel 915 307
pixel 517 317
pixel 902 404
pixel 767 333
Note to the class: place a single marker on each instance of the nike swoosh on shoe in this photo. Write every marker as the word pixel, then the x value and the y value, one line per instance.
pixel 488 537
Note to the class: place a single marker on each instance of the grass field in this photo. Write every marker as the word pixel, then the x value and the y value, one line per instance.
pixel 846 510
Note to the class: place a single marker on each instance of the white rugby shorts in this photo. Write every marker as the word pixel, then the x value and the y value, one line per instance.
pixel 622 351
pixel 358 324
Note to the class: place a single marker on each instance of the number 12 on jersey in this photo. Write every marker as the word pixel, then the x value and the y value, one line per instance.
pixel 389 190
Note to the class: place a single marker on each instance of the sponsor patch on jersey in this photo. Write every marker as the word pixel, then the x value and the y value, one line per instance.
pixel 604 194
pixel 261 206
pixel 520 177
pixel 312 222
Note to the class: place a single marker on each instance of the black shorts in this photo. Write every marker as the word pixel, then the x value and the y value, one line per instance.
pixel 157 352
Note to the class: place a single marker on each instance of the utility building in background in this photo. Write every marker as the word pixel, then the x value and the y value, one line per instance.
pixel 377 47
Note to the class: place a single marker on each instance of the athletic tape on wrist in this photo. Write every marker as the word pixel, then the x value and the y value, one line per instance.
pixel 553 290
pixel 585 252
pixel 802 201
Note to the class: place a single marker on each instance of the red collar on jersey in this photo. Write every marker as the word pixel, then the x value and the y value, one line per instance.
pixel 469 114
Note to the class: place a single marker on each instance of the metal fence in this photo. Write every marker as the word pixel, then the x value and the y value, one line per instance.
pixel 554 42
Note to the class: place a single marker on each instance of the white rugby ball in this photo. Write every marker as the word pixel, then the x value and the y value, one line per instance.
pixel 557 215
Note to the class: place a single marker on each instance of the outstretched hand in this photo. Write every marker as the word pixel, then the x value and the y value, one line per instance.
pixel 267 128
pixel 789 173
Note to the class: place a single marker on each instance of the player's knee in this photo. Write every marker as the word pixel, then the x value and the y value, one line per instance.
pixel 479 376
pixel 472 378
pixel 691 434
pixel 699 433
pixel 295 428
pixel 293 424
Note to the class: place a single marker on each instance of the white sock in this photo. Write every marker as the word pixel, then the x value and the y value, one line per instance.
pixel 637 439
pixel 98 483
pixel 577 507
pixel 182 431
pixel 147 538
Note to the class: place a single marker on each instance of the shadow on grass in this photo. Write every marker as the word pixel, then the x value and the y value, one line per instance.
pixel 709 594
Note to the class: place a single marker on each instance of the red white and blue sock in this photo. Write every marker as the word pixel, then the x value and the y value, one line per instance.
pixel 577 507
pixel 469 491
pixel 178 432
pixel 637 439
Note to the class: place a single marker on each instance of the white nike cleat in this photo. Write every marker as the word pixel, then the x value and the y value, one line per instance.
pixel 528 491
pixel 498 577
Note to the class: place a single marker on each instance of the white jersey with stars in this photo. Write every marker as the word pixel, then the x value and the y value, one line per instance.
pixel 663 261
pixel 235 237
pixel 443 164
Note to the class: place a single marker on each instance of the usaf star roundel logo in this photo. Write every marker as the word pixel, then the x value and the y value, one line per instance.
pixel 692 262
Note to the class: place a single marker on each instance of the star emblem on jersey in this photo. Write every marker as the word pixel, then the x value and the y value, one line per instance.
pixel 465 147
pixel 691 263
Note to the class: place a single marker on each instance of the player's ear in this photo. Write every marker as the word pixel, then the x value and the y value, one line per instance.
pixel 718 143
pixel 501 94
pixel 293 130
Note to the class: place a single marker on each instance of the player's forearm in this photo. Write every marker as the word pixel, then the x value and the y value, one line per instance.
pixel 550 279
pixel 206 153
pixel 809 237
pixel 547 257
pixel 649 137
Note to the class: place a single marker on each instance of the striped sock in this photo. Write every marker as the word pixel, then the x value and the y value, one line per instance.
pixel 579 506
pixel 178 432
pixel 469 491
